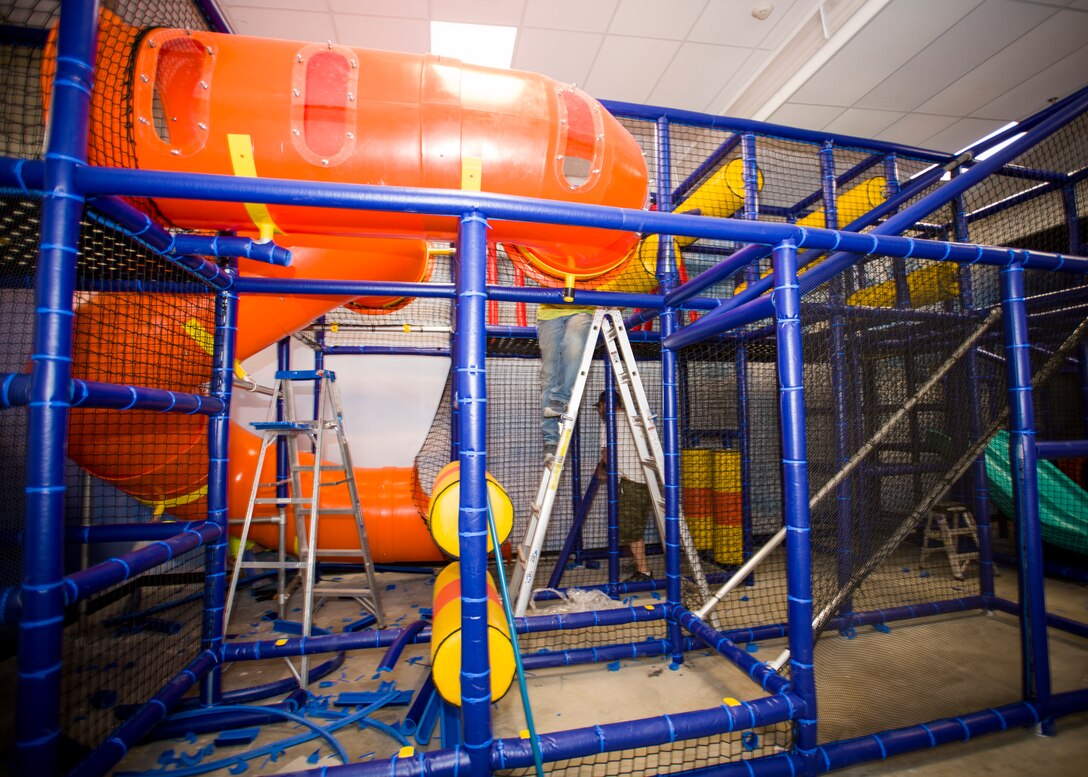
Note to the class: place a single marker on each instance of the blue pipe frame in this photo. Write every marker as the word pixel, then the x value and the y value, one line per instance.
pixel 67 182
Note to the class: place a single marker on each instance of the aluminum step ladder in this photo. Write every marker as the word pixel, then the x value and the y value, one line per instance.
pixel 945 525
pixel 607 323
pixel 304 503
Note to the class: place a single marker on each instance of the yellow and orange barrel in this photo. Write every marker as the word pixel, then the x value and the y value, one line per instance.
pixel 728 530
pixel 696 493
pixel 446 637
pixel 203 102
pixel 443 513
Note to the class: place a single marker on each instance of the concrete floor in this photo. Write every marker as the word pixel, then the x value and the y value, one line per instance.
pixel 572 697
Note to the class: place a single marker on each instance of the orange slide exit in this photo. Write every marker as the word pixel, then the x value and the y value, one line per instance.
pixel 231 105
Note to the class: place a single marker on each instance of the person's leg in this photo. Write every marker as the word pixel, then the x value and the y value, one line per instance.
pixel 633 501
pixel 549 334
pixel 575 329
pixel 638 554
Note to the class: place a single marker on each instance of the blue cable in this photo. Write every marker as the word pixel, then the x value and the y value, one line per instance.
pixel 534 740
pixel 273 747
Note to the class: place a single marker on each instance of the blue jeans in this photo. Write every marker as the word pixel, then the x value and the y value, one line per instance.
pixel 562 341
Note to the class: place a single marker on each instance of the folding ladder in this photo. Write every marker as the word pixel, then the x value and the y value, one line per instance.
pixel 306 507
pixel 945 525
pixel 609 323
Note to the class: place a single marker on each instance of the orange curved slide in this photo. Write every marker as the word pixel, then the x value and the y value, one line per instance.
pixel 201 102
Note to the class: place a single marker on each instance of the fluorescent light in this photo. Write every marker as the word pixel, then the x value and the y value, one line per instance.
pixel 475 44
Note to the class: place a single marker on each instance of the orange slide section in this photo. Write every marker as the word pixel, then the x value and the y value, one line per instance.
pixel 201 102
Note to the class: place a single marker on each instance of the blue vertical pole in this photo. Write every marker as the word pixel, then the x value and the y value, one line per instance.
pixel 980 502
pixel 667 277
pixel 787 302
pixel 41 623
pixel 612 519
pixel 899 266
pixel 1072 219
pixel 215 556
pixel 1024 474
pixel 471 389
pixel 839 373
pixel 283 464
pixel 744 429
pixel 1082 371
pixel 455 344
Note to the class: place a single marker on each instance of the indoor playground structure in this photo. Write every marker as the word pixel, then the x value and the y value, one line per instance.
pixel 856 372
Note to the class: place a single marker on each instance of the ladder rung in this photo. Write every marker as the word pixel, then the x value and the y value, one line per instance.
pixel 272 565
pixel 269 519
pixel 321 591
pixel 271 500
pixel 337 511
pixel 282 426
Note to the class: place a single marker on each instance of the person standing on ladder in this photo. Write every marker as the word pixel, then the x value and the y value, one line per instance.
pixel 634 500
pixel 561 333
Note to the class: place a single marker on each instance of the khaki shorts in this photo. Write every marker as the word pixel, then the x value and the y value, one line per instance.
pixel 634 504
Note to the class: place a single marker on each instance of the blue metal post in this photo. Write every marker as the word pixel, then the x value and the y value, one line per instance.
pixel 472 533
pixel 1024 474
pixel 980 502
pixel 215 557
pixel 839 378
pixel 787 302
pixel 41 627
pixel 667 277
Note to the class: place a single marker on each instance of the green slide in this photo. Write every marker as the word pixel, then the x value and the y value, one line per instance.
pixel 1063 505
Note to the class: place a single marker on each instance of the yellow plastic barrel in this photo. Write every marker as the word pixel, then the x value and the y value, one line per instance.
pixel 696 493
pixel 728 538
pixel 721 195
pixel 446 638
pixel 444 510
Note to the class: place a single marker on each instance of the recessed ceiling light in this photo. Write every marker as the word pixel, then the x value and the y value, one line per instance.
pixel 475 44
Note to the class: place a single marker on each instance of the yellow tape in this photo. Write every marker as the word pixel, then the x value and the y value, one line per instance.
pixel 241 159
pixel 281 642
pixel 472 173
pixel 406 752
pixel 158 506
pixel 731 702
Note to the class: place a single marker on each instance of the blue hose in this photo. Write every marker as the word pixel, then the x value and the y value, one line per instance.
pixel 534 740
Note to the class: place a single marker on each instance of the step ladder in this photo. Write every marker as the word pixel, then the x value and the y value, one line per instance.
pixel 945 525
pixel 304 503
pixel 607 323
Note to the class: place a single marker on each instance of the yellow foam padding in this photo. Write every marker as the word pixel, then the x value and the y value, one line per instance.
pixel 443 512
pixel 446 638
pixel 851 205
pixel 721 195
pixel 243 165
pixel 472 173
pixel 726 470
pixel 728 545
pixel 937 282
